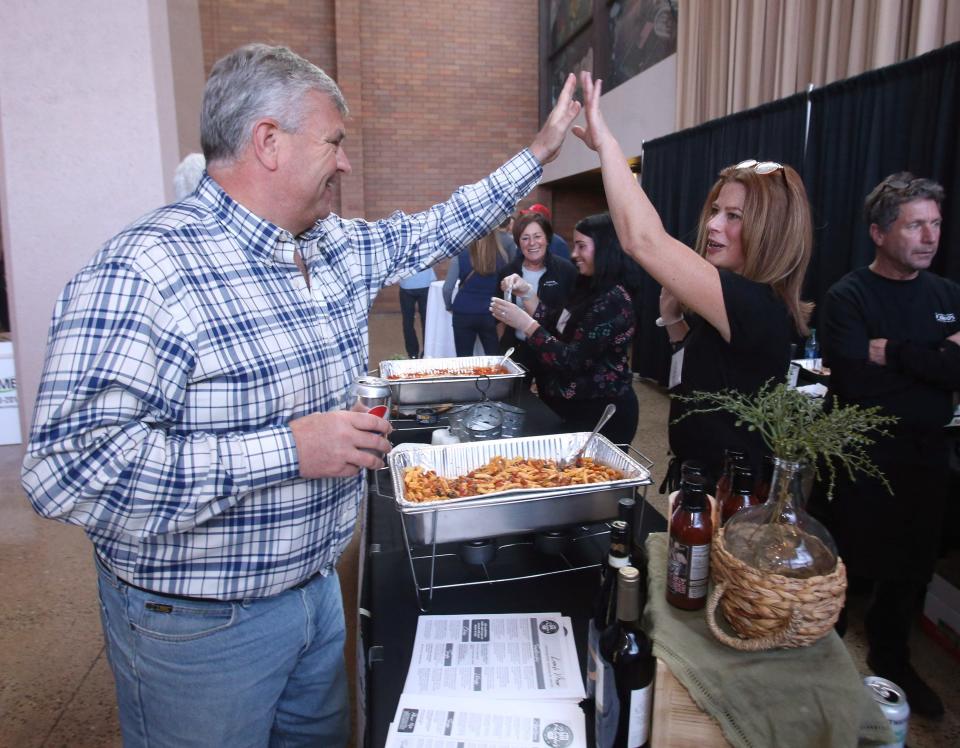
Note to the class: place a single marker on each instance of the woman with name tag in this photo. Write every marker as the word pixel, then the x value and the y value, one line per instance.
pixel 549 277
pixel 731 307
pixel 583 348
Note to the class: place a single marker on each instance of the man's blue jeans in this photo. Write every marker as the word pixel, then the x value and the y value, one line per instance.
pixel 253 673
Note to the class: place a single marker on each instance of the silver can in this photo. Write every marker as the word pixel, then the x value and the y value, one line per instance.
pixel 893 703
pixel 370 395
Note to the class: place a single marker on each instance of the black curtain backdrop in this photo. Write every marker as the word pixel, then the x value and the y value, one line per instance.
pixel 905 117
pixel 678 172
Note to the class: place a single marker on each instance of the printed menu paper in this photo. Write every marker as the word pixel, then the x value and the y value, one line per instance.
pixel 503 656
pixel 424 721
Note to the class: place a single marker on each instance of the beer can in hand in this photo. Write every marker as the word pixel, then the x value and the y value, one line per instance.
pixel 893 703
pixel 370 395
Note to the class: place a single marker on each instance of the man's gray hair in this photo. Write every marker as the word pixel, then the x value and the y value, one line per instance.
pixel 882 205
pixel 253 82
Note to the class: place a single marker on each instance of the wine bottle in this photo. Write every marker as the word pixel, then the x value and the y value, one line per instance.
pixel 625 511
pixel 688 554
pixel 605 601
pixel 622 719
pixel 741 495
pixel 625 508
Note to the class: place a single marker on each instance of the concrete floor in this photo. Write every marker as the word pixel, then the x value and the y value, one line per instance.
pixel 55 684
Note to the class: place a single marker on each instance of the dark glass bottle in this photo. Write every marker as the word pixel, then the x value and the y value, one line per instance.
pixel 741 495
pixel 605 601
pixel 625 513
pixel 731 457
pixel 688 554
pixel 624 701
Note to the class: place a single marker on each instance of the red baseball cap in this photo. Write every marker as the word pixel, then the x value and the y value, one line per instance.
pixel 540 208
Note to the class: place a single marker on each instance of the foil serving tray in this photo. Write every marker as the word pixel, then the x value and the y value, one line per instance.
pixel 517 510
pixel 448 387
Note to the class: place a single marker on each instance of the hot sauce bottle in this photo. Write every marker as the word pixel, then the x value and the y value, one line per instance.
pixel 741 494
pixel 731 458
pixel 688 551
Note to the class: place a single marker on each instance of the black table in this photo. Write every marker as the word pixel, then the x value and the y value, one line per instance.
pixel 389 603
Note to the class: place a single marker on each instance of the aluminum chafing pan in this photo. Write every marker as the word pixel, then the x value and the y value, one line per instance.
pixel 518 510
pixel 451 388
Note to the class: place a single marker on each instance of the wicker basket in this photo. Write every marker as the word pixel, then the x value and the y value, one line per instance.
pixel 770 611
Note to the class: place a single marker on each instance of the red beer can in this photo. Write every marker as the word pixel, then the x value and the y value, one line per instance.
pixel 370 395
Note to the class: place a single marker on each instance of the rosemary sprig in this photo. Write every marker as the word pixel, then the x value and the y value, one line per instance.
pixel 798 428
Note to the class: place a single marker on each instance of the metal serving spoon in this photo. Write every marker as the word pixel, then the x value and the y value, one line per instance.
pixel 607 415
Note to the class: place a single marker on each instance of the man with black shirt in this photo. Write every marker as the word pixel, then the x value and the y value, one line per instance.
pixel 891 338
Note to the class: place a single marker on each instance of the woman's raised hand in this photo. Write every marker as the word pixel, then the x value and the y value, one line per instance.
pixel 596 131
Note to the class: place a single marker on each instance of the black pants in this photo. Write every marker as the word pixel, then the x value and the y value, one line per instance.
pixel 410 300
pixel 891 540
pixel 468 327
pixel 582 415
pixel 892 610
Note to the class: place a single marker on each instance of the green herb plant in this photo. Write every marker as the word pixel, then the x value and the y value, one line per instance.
pixel 799 428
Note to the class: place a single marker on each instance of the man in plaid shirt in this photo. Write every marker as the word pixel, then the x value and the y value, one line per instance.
pixel 191 410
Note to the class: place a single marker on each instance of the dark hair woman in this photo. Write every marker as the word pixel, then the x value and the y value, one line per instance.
pixel 583 347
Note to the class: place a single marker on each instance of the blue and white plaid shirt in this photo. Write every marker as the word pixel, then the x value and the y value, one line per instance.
pixel 177 357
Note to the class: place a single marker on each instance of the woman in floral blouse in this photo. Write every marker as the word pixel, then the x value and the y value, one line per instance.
pixel 584 348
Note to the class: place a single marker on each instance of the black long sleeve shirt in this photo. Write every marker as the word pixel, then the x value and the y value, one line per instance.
pixel 915 316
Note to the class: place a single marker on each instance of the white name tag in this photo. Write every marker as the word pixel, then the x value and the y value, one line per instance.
pixel 562 322
pixel 676 369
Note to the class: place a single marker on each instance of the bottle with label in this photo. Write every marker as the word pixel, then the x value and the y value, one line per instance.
pixel 688 554
pixel 812 347
pixel 687 467
pixel 741 495
pixel 624 701
pixel 605 601
pixel 731 457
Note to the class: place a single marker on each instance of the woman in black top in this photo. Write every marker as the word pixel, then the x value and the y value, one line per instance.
pixel 582 347
pixel 550 278
pixel 732 306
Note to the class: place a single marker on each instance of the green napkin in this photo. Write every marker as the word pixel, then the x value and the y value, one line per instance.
pixel 810 696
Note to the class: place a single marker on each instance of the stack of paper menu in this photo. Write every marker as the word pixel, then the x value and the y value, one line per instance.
pixel 498 680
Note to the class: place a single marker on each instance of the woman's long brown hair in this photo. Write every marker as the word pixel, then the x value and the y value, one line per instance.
pixel 483 254
pixel 777 233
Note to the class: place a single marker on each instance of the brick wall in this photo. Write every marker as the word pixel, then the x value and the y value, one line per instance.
pixel 572 204
pixel 306 27
pixel 447 91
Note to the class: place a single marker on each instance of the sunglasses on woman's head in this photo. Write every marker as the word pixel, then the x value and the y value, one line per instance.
pixel 759 167
pixel 899 184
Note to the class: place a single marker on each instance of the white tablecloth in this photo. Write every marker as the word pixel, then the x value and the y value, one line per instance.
pixel 438 336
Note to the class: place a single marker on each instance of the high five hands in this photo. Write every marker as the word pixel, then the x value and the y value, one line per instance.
pixel 547 144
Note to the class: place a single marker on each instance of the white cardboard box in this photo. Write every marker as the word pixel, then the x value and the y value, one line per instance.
pixel 9 404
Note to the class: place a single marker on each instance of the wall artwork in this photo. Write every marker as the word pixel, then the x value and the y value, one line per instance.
pixel 567 17
pixel 642 33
